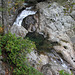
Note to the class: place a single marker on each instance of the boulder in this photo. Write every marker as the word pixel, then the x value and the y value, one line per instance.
pixel 29 23
pixel 49 69
pixel 18 31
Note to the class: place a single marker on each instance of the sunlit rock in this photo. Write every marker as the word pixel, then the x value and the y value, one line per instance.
pixel 18 31
pixel 55 24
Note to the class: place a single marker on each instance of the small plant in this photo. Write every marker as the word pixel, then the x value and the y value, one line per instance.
pixel 16 50
pixel 62 72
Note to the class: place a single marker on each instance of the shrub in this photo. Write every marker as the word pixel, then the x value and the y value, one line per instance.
pixel 16 50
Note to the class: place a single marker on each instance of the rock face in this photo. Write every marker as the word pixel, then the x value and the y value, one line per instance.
pixel 52 22
pixel 48 63
pixel 55 24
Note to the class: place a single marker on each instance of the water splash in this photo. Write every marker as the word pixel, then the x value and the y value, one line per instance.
pixel 24 14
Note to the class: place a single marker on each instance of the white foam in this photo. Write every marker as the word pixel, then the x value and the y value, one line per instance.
pixel 23 14
pixel 63 64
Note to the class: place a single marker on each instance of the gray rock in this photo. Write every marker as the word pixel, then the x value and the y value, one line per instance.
pixel 53 69
pixel 18 30
pixel 28 22
pixel 1 57
pixel 54 24
pixel 73 39
pixel 2 72
pixel 73 14
pixel 46 69
pixel 36 60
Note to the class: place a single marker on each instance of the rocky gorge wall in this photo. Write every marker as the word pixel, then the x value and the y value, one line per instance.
pixel 54 21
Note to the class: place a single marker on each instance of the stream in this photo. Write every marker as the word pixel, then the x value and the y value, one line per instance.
pixel 24 14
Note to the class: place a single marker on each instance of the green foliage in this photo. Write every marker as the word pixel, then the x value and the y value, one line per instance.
pixel 62 72
pixel 16 50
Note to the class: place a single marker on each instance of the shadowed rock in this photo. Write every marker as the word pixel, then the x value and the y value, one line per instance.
pixel 28 21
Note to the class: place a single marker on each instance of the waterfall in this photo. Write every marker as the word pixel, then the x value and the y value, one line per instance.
pixel 24 14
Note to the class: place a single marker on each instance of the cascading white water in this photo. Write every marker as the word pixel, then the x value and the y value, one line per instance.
pixel 24 14
pixel 54 57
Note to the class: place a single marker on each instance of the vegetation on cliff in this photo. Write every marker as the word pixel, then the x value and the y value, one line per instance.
pixel 15 50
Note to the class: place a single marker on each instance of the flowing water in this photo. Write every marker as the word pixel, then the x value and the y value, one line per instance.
pixel 57 58
pixel 24 14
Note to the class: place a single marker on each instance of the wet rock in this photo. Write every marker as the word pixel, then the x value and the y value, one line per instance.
pixel 54 24
pixel 29 23
pixel 18 31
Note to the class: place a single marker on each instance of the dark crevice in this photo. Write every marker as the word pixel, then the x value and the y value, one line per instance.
pixel 34 1
pixel 40 42
pixel 65 47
